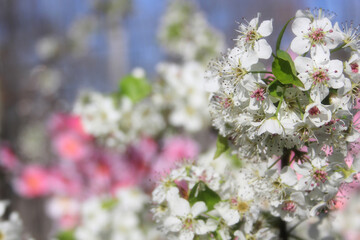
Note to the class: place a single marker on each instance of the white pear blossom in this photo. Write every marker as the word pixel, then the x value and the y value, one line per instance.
pixel 180 91
pixel 251 39
pixel 292 208
pixel 318 77
pixel 352 67
pixel 116 218
pixel 316 35
pixel 11 228
pixel 272 126
pixel 317 114
pixel 183 219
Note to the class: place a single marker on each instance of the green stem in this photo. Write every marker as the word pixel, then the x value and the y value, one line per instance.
pixel 338 48
pixel 295 226
pixel 308 95
pixel 300 108
pixel 279 106
pixel 277 160
pixel 278 42
pixel 210 216
pixel 260 72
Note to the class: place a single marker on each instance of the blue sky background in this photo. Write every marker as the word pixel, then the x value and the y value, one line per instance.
pixel 37 18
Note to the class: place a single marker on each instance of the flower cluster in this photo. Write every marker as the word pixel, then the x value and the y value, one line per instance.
pixel 122 216
pixel 185 33
pixel 211 200
pixel 83 169
pixel 176 100
pixel 117 122
pixel 10 229
pixel 180 93
pixel 294 127
pixel 214 198
pixel 305 102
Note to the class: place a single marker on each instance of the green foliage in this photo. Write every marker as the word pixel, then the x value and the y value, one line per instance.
pixel 284 70
pixel 109 204
pixel 67 235
pixel 222 146
pixel 201 192
pixel 278 42
pixel 235 160
pixel 174 31
pixel 276 89
pixel 134 88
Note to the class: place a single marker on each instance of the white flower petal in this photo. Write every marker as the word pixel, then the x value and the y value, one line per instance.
pixel 198 208
pixel 179 207
pixel 319 92
pixel 263 49
pixel 335 38
pixel 173 224
pixel 298 197
pixel 288 176
pixel 320 53
pixel 300 26
pixel 335 68
pixel 231 216
pixel 186 235
pixel 265 28
pixel 303 64
pixel 300 45
pixel 323 23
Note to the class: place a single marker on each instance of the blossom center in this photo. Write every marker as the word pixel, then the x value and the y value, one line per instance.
pixel 289 206
pixel 320 76
pixel 225 102
pixel 320 175
pixel 251 36
pixel 314 111
pixel 316 36
pixel 258 94
pixel 239 72
pixel 354 67
pixel 241 206
pixel 188 222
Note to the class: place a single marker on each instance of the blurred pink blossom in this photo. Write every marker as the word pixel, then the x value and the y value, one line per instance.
pixel 175 149
pixel 33 182
pixel 68 122
pixel 72 146
pixel 8 159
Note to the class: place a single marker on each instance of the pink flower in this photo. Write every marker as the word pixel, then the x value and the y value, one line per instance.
pixel 65 181
pixel 175 149
pixel 62 121
pixel 148 147
pixel 8 159
pixel 69 145
pixel 33 182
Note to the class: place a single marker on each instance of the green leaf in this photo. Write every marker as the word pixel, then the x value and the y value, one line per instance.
pixel 201 192
pixel 276 89
pixel 109 204
pixel 286 57
pixel 66 235
pixel 278 42
pixel 174 31
pixel 134 88
pixel 236 161
pixel 221 146
pixel 284 70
